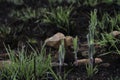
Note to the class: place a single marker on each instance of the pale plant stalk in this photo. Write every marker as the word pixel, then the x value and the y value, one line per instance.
pixel 76 47
pixel 61 55
pixel 90 38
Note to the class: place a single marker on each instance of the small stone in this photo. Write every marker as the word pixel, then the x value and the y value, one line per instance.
pixel 98 60
pixel 3 63
pixel 86 61
pixel 115 33
pixel 4 56
pixel 55 64
pixel 85 53
pixel 105 64
pixel 55 40
pixel 68 41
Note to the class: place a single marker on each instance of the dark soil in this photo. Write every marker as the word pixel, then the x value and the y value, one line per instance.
pixel 81 17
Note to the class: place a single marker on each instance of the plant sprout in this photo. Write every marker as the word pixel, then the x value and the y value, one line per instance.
pixel 61 53
pixel 90 38
pixel 26 67
pixel 91 2
pixel 4 31
pixel 76 47
pixel 17 2
pixel 61 18
pixel 91 70
pixel 59 77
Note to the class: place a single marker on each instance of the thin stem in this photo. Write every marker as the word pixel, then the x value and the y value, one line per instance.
pixel 35 68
